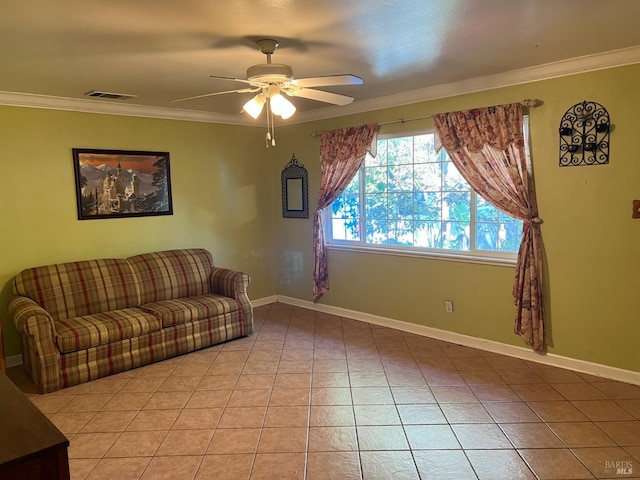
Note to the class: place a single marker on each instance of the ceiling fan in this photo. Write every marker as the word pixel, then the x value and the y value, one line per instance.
pixel 270 80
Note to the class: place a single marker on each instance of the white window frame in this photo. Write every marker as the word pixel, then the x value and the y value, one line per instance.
pixel 472 255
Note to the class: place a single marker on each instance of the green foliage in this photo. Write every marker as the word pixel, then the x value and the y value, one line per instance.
pixel 415 197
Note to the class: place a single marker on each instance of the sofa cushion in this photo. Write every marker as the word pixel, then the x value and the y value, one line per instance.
pixel 101 328
pixel 183 310
pixel 68 290
pixel 172 274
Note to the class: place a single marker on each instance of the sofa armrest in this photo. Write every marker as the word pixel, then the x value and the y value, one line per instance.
pixel 41 356
pixel 229 283
pixel 30 318
pixel 234 284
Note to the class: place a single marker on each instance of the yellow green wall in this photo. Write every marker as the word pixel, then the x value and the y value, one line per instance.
pixel 226 193
pixel 591 243
pixel 220 199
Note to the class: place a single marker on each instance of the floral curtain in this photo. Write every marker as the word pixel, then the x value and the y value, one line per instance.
pixel 341 155
pixel 487 147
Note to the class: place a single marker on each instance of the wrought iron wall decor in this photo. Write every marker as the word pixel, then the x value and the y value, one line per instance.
pixel 584 135
pixel 295 190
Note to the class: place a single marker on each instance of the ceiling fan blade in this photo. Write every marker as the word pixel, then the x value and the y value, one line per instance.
pixel 252 83
pixel 327 81
pixel 243 90
pixel 320 96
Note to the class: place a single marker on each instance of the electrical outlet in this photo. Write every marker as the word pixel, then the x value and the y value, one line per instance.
pixel 636 209
pixel 448 306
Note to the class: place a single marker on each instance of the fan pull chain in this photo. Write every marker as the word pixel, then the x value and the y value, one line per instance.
pixel 271 133
pixel 268 137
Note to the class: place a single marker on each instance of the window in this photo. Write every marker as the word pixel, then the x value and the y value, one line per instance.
pixel 411 198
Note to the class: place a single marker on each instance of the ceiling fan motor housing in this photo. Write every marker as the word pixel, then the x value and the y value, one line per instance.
pixel 270 73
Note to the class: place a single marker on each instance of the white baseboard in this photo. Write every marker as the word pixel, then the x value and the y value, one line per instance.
pixel 264 301
pixel 13 361
pixel 599 370
pixel 604 371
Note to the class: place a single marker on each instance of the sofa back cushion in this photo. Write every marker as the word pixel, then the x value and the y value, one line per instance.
pixel 68 290
pixel 172 274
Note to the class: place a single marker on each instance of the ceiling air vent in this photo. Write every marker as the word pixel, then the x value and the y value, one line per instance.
pixel 109 95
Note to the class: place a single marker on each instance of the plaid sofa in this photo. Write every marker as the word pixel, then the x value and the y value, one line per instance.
pixel 84 320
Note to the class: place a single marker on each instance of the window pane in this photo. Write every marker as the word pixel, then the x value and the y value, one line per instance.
pixel 428 177
pixel 377 230
pixel 452 180
pixel 400 178
pixel 376 205
pixel 392 205
pixel 423 149
pixel 345 219
pixel 375 179
pixel 510 240
pixel 381 155
pixel 485 212
pixel 487 236
pixel 498 237
pixel 400 233
pixel 344 229
pixel 455 235
pixel 503 217
pixel 496 231
pixel 346 205
pixel 400 150
pixel 404 202
pixel 345 213
pixel 354 185
pixel 428 206
pixel 456 206
pixel 428 234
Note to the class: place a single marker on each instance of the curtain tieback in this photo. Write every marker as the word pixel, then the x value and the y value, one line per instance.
pixel 536 220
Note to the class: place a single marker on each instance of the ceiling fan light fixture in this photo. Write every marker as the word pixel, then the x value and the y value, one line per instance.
pixel 254 106
pixel 281 106
pixel 272 81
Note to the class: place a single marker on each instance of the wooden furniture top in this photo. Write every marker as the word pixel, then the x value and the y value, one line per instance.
pixel 3 365
pixel 24 430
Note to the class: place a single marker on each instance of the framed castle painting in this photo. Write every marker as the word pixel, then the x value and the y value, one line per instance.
pixel 121 183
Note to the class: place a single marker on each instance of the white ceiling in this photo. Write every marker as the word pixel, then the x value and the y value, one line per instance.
pixel 161 50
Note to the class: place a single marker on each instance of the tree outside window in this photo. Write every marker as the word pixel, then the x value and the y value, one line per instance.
pixel 410 197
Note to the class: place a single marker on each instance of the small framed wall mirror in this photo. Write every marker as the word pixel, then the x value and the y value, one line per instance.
pixel 295 190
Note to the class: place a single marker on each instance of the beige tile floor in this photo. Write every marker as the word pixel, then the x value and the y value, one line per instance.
pixel 314 396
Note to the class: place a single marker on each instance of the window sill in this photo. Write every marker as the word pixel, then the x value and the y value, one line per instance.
pixel 457 257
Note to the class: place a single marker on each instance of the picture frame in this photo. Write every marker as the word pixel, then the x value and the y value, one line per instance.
pixel 121 183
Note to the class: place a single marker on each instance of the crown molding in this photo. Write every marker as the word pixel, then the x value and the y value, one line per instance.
pixel 574 66
pixel 130 109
